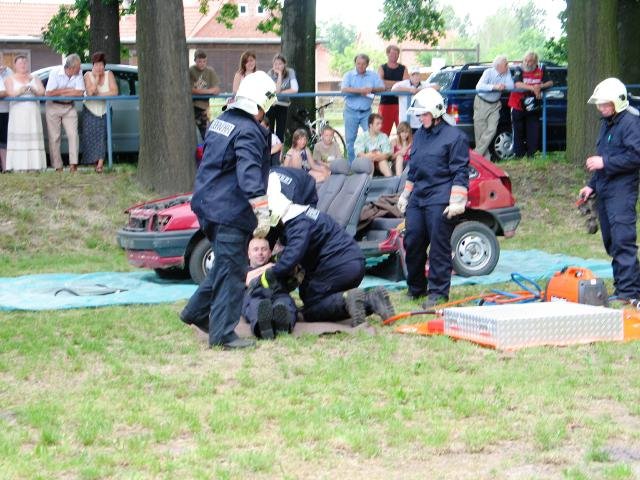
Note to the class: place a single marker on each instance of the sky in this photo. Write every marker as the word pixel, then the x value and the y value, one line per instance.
pixel 366 14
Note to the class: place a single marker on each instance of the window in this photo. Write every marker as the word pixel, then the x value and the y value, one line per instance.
pixel 261 10
pixel 242 8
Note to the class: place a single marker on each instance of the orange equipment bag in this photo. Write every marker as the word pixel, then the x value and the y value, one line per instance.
pixel 578 285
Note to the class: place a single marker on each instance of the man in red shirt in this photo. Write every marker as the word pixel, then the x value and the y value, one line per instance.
pixel 525 106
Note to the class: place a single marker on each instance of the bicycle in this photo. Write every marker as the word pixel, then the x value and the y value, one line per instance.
pixel 314 129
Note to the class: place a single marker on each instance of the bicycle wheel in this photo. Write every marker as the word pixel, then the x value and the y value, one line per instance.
pixel 341 143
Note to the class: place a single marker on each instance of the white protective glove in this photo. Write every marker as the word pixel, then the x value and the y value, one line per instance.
pixel 403 200
pixel 457 202
pixel 260 207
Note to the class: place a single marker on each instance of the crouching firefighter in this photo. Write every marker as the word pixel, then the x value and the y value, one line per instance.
pixel 230 203
pixel 615 181
pixel 332 262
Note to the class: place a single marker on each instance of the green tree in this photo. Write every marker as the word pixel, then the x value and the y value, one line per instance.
pixel 412 19
pixel 555 49
pixel 339 36
pixel 67 31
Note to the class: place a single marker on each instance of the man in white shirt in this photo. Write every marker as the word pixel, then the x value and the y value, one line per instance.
pixel 64 81
pixel 487 104
pixel 413 85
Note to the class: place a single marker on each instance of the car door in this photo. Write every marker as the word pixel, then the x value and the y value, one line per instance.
pixel 125 113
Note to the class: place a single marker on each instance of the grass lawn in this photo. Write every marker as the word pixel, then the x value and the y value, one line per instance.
pixel 129 392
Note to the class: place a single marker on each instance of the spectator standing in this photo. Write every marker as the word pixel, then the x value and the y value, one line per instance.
pixel 360 85
pixel 204 81
pixel 412 85
pixel 247 66
pixel 391 73
pixel 487 104
pixel 99 83
pixel 5 72
pixel 402 147
pixel 615 180
pixel 64 81
pixel 25 145
pixel 286 82
pixel 299 156
pixel 525 106
pixel 326 150
pixel 374 145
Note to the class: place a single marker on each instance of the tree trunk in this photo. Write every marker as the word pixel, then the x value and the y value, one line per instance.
pixel 104 30
pixel 167 129
pixel 629 41
pixel 592 42
pixel 298 47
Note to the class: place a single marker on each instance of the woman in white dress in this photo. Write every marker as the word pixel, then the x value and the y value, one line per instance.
pixel 25 145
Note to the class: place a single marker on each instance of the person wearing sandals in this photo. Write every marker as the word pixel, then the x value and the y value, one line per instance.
pixel 99 83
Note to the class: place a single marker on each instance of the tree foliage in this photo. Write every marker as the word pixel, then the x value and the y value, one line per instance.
pixel 229 12
pixel 555 49
pixel 67 31
pixel 418 20
pixel 339 36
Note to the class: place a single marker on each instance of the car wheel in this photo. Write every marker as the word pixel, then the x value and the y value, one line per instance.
pixel 502 146
pixel 475 249
pixel 200 261
pixel 172 273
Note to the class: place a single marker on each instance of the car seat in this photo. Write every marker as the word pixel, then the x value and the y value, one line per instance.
pixel 328 189
pixel 346 206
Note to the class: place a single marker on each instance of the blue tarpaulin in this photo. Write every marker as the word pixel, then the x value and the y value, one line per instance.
pixel 62 291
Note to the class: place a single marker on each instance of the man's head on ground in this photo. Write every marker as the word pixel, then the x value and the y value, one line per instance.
pixel 375 123
pixel 259 252
pixel 530 62
pixel 72 64
pixel 327 135
pixel 393 53
pixel 501 64
pixel 200 57
pixel 362 62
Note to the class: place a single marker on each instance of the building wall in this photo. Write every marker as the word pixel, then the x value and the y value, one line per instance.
pixel 39 55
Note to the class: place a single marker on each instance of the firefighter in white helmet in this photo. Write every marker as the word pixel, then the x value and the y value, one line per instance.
pixel 614 179
pixel 434 196
pixel 230 202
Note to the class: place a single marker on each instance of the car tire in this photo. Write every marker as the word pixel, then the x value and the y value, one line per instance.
pixel 475 249
pixel 172 273
pixel 502 146
pixel 200 261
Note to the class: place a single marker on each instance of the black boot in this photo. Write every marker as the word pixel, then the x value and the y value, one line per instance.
pixel 355 302
pixel 433 301
pixel 282 319
pixel 265 315
pixel 377 301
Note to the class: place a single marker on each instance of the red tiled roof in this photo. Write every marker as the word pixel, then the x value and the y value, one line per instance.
pixel 27 19
pixel 22 19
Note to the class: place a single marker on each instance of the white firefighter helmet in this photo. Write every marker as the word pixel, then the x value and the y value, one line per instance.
pixel 611 90
pixel 428 100
pixel 256 90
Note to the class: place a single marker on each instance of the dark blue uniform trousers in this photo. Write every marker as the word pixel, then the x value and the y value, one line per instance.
pixel 322 291
pixel 252 299
pixel 427 226
pixel 618 225
pixel 222 290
